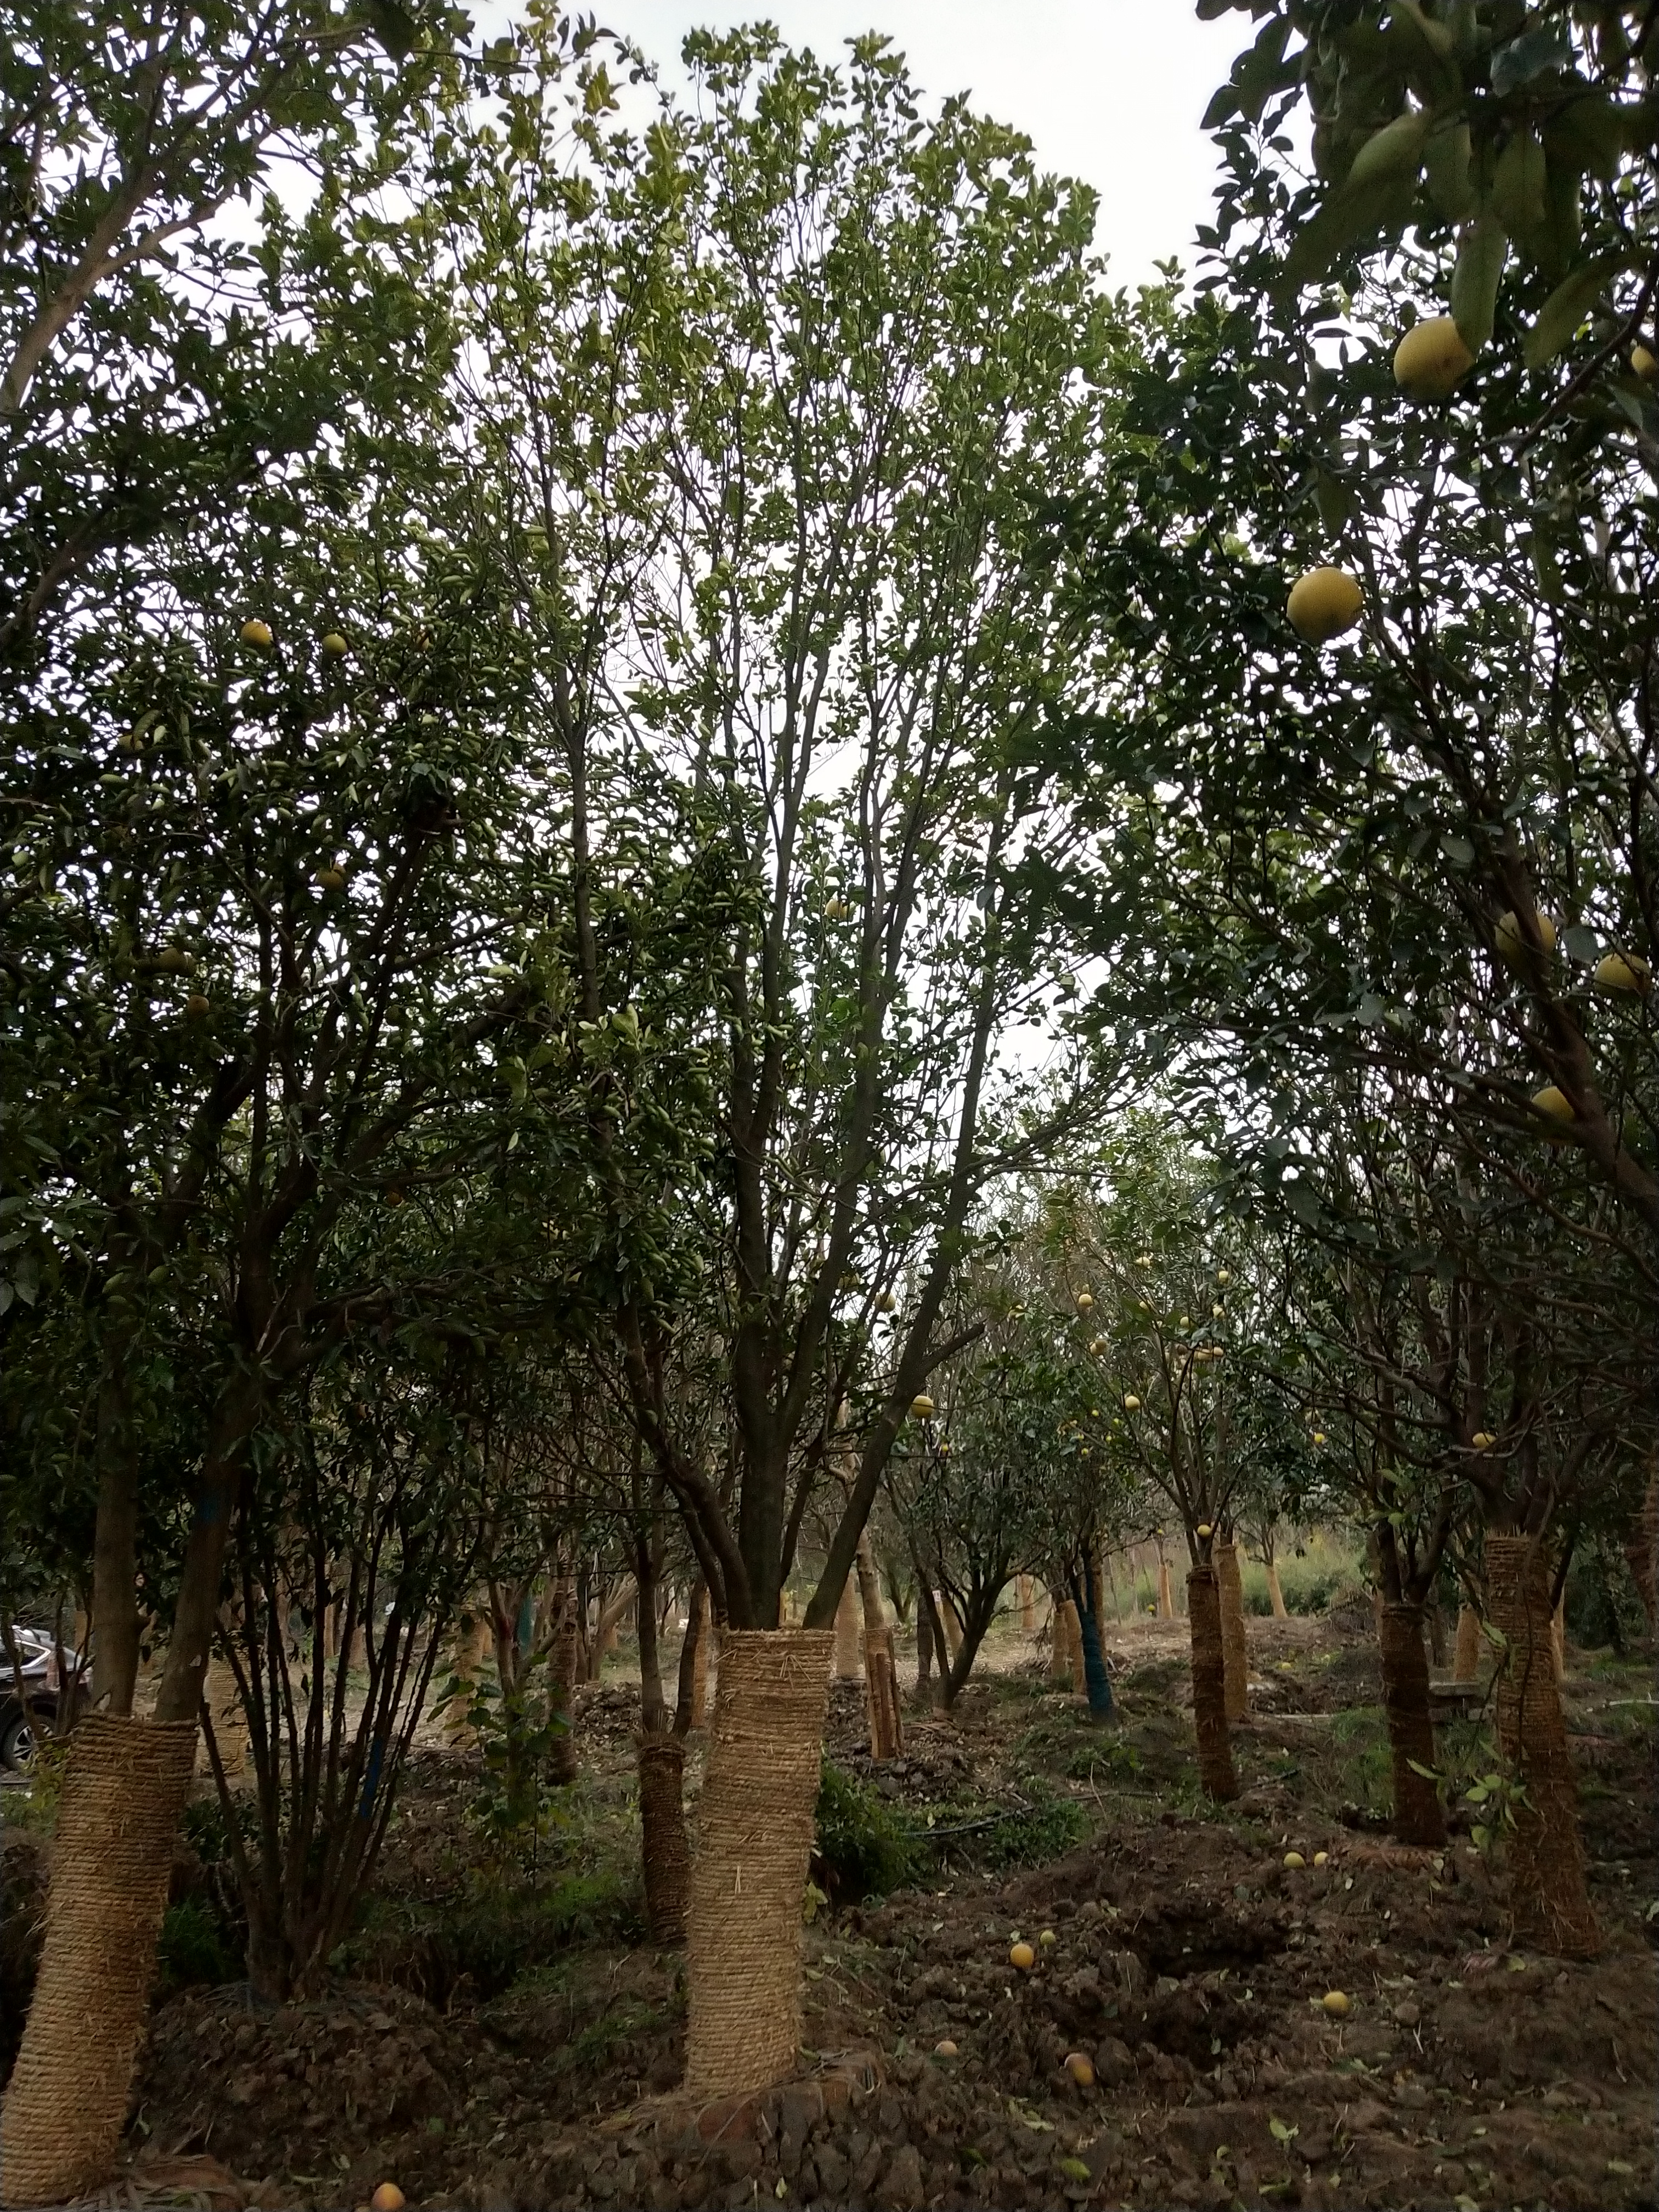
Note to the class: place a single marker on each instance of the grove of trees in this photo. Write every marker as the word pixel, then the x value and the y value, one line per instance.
pixel 684 920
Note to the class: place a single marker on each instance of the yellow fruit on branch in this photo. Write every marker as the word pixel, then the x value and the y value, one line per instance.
pixel 1511 943
pixel 1623 971
pixel 1223 1277
pixel 334 646
pixel 198 1004
pixel 1431 359
pixel 1645 364
pixel 1205 1529
pixel 1483 1440
pixel 1132 1404
pixel 1319 1435
pixel 1323 604
pixel 331 879
pixel 1553 1103
pixel 922 1406
pixel 1085 1300
pixel 256 632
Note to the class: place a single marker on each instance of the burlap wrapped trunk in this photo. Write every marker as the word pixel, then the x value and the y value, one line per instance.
pixel 1234 1652
pixel 666 1858
pixel 66 2105
pixel 1418 1817
pixel 754 1841
pixel 1549 1895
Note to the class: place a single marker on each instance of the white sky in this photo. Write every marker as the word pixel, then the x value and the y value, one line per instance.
pixel 1108 90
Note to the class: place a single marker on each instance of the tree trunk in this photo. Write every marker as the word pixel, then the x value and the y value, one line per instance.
pixel 880 1660
pixel 115 1550
pixel 1027 1606
pixel 848 1638
pixel 925 1640
pixel 1275 1592
pixel 1642 1549
pixel 1559 1637
pixel 66 2105
pixel 1097 1682
pixel 1436 1618
pixel 749 1876
pixel 1466 1652
pixel 563 1660
pixel 1060 1649
pixel 1070 1638
pixel 224 1706
pixel 1215 1750
pixel 1165 1592
pixel 691 1689
pixel 1549 1899
pixel 1418 1817
pixel 952 1627
pixel 1234 1651
pixel 664 1852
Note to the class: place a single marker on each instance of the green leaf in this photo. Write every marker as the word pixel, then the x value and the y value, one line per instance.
pixel 1566 308
pixel 394 27
pixel 1482 249
pixel 1446 166
pixel 1280 2132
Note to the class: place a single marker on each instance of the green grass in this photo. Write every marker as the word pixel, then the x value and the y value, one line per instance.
pixel 1309 1582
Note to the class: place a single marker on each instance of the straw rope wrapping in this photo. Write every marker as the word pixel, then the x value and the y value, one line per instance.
pixel 1215 1750
pixel 1549 1896
pixel 124 1792
pixel 753 1842
pixel 662 1822
pixel 1466 1656
pixel 1234 1651
pixel 1418 1818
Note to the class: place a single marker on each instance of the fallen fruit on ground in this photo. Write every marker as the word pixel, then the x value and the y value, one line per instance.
pixel 944 2048
pixel 1294 1859
pixel 1335 2002
pixel 1431 359
pixel 1322 1858
pixel 1323 604
pixel 1081 2068
pixel 1023 1956
pixel 388 2197
pixel 1046 1938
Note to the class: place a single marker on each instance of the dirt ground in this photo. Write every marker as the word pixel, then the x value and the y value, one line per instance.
pixel 509 2039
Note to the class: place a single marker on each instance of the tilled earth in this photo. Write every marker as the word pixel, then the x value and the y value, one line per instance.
pixel 1173 1949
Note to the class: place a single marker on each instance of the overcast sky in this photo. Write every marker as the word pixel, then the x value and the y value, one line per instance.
pixel 1110 90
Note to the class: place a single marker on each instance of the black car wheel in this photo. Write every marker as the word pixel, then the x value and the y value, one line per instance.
pixel 17 1742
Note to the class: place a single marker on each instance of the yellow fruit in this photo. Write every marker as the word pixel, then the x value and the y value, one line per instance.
pixel 197 1004
pixel 331 879
pixel 1322 1858
pixel 256 633
pixel 1294 1859
pixel 1323 604
pixel 1085 1300
pixel 1335 2004
pixel 335 646
pixel 1483 1440
pixel 1205 1529
pixel 1047 1938
pixel 1081 2068
pixel 1431 359
pixel 944 2048
pixel 1132 1404
pixel 1319 1435
pixel 1508 940
pixel 1217 1313
pixel 1644 364
pixel 1223 1277
pixel 1098 1345
pixel 1553 1103
pixel 922 1405
pixel 1023 1956
pixel 1623 971
pixel 388 2197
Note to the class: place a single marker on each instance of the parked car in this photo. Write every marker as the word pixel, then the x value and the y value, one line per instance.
pixel 29 1706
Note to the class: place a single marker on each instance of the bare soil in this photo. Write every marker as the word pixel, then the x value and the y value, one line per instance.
pixel 510 2039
